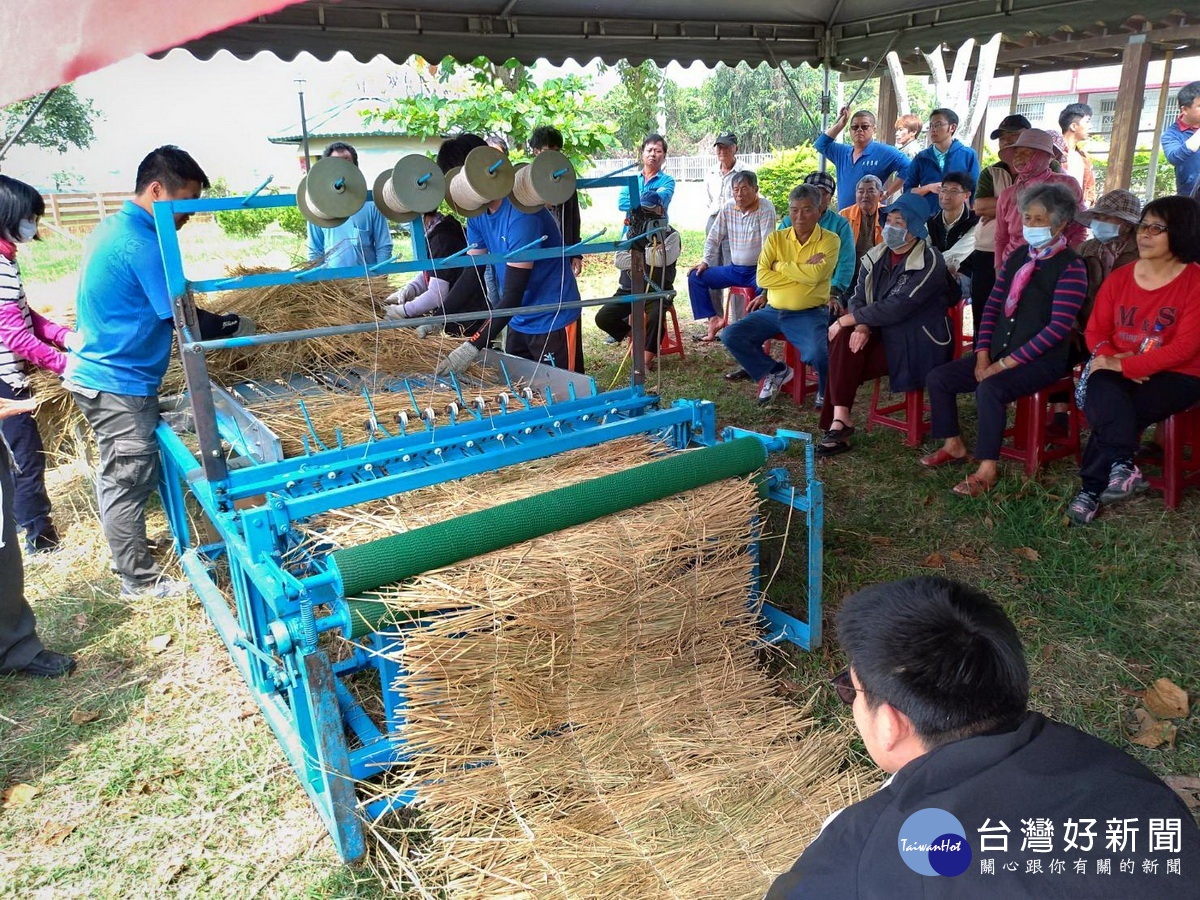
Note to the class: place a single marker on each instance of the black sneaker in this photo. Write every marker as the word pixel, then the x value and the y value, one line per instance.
pixel 611 340
pixel 46 664
pixel 738 374
pixel 45 542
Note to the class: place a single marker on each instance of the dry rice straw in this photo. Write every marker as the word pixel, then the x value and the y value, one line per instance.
pixel 279 308
pixel 587 713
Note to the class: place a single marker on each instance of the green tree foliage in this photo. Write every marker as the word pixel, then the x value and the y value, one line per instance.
pixel 633 104
pixel 505 100
pixel 759 107
pixel 1164 181
pixel 688 120
pixel 65 121
pixel 777 178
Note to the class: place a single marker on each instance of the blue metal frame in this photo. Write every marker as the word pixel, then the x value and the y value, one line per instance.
pixel 272 627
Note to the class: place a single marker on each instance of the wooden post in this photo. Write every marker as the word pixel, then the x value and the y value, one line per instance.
pixel 54 211
pixel 1016 91
pixel 887 112
pixel 1164 97
pixel 1132 90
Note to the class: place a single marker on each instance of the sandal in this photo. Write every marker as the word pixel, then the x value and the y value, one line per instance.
pixel 703 339
pixel 941 458
pixel 973 486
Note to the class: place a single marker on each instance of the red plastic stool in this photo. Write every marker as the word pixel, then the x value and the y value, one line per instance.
pixel 670 340
pixel 906 415
pixel 961 344
pixel 747 292
pixel 804 381
pixel 1180 437
pixel 1029 441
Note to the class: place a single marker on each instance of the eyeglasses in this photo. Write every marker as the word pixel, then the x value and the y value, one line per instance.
pixel 950 192
pixel 933 125
pixel 861 127
pixel 1151 228
pixel 844 686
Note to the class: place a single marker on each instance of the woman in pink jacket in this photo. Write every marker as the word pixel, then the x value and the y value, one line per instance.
pixel 26 340
pixel 1029 156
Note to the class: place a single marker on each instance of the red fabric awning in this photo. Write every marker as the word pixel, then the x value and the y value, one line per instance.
pixel 45 43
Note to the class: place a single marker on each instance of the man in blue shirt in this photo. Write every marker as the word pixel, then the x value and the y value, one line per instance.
pixel 863 156
pixel 1181 141
pixel 945 153
pixel 362 240
pixel 125 324
pixel 652 177
pixel 551 337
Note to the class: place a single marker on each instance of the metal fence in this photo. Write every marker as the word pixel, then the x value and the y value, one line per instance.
pixel 681 168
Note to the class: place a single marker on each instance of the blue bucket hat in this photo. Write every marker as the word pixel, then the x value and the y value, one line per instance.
pixel 915 211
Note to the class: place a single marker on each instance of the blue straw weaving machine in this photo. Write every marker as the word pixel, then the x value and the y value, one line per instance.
pixel 271 599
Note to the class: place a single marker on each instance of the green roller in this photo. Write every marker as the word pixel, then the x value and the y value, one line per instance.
pixel 395 558
pixel 367 616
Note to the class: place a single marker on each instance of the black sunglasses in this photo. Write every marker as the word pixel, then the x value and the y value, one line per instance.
pixel 844 686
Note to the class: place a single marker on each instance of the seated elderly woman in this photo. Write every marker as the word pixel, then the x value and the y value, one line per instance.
pixel 1144 333
pixel 896 323
pixel 1023 340
pixel 1113 244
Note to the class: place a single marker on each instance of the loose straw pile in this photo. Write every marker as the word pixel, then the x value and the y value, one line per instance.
pixel 310 305
pixel 587 714
pixel 279 308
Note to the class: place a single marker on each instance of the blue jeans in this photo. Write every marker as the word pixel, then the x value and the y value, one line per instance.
pixel 807 330
pixel 716 278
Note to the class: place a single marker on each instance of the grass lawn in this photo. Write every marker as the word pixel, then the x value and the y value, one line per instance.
pixel 150 771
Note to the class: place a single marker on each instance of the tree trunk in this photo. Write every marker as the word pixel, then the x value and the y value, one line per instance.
pixel 897 73
pixel 985 71
pixel 937 70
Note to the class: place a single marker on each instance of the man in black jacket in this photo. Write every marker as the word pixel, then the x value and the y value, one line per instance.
pixel 986 799
pixel 952 227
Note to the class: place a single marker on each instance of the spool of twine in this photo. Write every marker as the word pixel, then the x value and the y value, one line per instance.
pixel 464 194
pixel 316 209
pixel 524 190
pixel 389 195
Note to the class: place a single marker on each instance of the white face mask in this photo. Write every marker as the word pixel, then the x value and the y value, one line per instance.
pixel 1036 235
pixel 26 230
pixel 1105 231
pixel 894 236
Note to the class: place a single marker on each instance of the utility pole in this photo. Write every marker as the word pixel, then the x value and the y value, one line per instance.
pixel 303 125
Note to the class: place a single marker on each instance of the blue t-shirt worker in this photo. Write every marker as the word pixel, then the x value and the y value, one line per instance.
pixel 125 325
pixel 862 156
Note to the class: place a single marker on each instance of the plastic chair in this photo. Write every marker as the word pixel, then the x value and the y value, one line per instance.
pixel 748 293
pixel 1029 441
pixel 1180 439
pixel 670 341
pixel 906 415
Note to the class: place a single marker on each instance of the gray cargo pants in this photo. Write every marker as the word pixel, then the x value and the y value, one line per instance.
pixel 127 476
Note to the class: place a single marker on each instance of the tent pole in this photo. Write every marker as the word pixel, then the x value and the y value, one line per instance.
pixel 1164 96
pixel 37 108
pixel 826 102
pixel 1016 91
